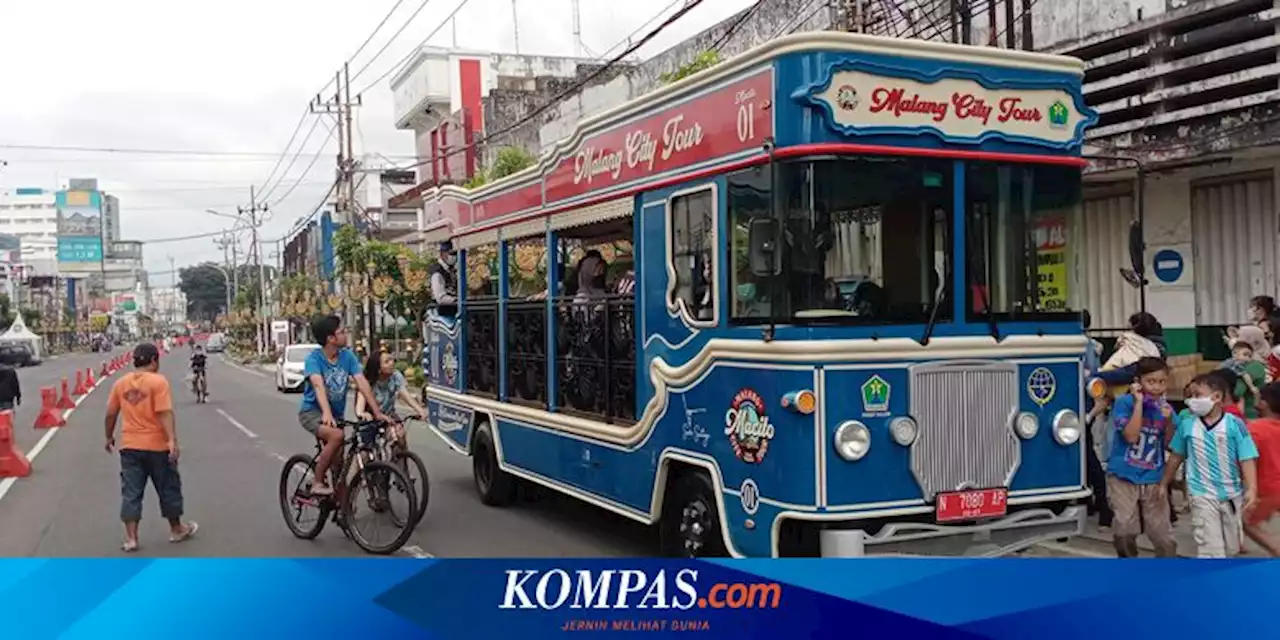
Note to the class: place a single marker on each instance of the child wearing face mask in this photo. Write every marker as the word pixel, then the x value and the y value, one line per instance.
pixel 1141 420
pixel 1221 469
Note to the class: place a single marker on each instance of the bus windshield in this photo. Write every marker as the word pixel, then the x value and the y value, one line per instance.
pixel 866 240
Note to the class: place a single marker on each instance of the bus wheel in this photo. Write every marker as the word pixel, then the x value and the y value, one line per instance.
pixel 690 526
pixel 495 486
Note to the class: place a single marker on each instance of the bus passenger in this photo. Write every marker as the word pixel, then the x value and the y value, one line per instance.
pixel 444 277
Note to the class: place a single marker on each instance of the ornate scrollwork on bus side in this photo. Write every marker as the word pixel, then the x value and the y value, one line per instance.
pixel 482 347
pixel 527 353
pixel 595 357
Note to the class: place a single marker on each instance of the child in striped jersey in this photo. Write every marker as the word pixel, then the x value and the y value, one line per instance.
pixel 1221 468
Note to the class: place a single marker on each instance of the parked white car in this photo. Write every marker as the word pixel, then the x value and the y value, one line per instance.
pixel 289 366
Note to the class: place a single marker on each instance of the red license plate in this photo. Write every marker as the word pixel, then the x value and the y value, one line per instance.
pixel 971 505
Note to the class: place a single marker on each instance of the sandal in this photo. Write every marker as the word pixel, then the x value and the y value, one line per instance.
pixel 192 527
pixel 129 546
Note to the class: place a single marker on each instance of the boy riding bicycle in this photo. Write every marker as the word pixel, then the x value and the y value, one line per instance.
pixel 328 372
pixel 198 362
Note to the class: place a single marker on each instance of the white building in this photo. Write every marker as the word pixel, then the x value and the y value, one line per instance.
pixel 30 214
pixel 168 306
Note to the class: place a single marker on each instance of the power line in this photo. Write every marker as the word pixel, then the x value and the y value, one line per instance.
pixel 728 33
pixel 376 30
pixel 395 35
pixel 305 172
pixel 416 48
pixel 689 6
pixel 267 191
pixel 165 152
pixel 294 136
pixel 638 29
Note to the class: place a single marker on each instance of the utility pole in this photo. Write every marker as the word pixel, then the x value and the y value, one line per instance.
pixel 172 311
pixel 224 243
pixel 256 213
pixel 349 210
pixel 515 25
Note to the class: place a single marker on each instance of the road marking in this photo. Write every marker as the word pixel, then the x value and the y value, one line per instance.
pixel 236 423
pixel 1072 551
pixel 233 365
pixel 7 483
pixel 279 457
pixel 415 551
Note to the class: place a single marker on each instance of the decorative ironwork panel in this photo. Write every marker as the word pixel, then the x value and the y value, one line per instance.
pixel 595 357
pixel 482 347
pixel 527 353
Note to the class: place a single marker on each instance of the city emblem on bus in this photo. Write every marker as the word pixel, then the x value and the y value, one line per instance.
pixel 450 363
pixel 747 427
pixel 875 396
pixel 1041 386
pixel 847 98
pixel 1058 115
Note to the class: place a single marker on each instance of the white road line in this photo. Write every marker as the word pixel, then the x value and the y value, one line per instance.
pixel 7 483
pixel 233 365
pixel 236 423
pixel 279 457
pixel 415 551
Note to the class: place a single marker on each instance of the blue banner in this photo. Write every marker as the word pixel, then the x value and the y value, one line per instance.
pixel 401 599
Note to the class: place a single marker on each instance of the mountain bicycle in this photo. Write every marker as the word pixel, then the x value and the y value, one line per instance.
pixel 361 482
pixel 201 386
pixel 396 451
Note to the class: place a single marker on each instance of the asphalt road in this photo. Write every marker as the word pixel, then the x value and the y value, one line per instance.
pixel 232 452
pixel 233 449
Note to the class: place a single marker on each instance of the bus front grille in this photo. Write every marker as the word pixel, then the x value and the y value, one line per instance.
pixel 965 413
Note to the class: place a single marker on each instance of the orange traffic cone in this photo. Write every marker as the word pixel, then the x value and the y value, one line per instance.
pixel 50 415
pixel 13 464
pixel 65 402
pixel 89 382
pixel 80 390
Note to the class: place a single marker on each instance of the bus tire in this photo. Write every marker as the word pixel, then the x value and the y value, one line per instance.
pixel 495 487
pixel 690 525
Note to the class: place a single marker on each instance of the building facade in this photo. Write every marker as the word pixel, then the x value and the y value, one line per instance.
pixel 29 213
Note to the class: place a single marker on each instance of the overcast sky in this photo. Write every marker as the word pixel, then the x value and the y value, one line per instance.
pixel 235 76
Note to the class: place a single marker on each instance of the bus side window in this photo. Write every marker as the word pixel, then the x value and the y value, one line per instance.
pixel 692 255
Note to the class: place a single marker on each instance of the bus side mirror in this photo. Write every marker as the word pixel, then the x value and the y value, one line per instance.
pixel 762 247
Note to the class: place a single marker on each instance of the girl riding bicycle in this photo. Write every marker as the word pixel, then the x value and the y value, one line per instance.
pixel 388 385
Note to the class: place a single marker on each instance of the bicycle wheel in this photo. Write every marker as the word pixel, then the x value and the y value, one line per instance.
pixel 380 489
pixel 416 472
pixel 296 498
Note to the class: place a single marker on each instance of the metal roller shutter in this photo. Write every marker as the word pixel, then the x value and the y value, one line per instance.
pixel 1109 299
pixel 1233 224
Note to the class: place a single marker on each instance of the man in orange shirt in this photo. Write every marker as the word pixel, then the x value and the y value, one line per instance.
pixel 1266 435
pixel 148 446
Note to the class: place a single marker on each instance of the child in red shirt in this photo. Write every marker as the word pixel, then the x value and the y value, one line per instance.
pixel 1266 435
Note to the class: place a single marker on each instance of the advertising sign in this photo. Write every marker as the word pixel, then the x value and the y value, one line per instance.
pixel 955 109
pixel 125 250
pixel 79 230
pixel 1051 251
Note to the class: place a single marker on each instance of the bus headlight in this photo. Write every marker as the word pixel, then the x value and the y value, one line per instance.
pixel 853 440
pixel 903 430
pixel 1026 425
pixel 1066 427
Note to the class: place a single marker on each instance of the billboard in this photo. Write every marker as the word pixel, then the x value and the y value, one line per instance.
pixel 79 230
pixel 125 250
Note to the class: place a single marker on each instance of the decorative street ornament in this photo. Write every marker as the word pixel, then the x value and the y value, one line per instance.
pixel 335 303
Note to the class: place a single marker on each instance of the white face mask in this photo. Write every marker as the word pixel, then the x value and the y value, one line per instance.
pixel 1200 406
pixel 451 259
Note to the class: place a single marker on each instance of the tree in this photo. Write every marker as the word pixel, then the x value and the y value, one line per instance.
pixel 206 289
pixel 702 61
pixel 510 161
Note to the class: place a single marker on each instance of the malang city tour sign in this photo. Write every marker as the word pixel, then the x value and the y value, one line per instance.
pixel 956 108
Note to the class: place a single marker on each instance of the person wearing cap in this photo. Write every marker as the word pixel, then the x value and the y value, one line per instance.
pixel 148 446
pixel 444 276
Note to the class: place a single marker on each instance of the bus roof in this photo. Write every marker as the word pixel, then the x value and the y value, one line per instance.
pixel 589 176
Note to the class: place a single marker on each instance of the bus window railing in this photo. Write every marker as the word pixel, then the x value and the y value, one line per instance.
pixel 482 347
pixel 527 353
pixel 595 357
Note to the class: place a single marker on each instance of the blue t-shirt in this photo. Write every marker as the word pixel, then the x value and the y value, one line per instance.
pixel 385 391
pixel 1213 454
pixel 1143 462
pixel 337 380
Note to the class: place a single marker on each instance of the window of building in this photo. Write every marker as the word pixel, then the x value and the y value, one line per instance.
pixel 692 255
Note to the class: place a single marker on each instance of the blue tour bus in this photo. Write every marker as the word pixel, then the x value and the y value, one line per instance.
pixel 816 300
